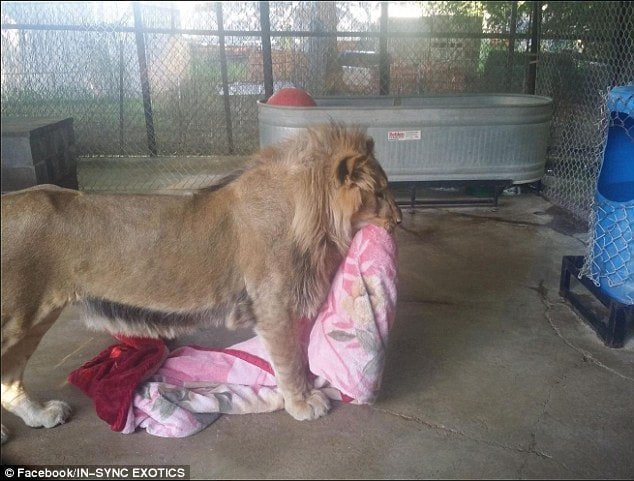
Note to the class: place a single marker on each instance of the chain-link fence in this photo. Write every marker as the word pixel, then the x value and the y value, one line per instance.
pixel 583 52
pixel 164 94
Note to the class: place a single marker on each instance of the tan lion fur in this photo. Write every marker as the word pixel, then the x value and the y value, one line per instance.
pixel 259 251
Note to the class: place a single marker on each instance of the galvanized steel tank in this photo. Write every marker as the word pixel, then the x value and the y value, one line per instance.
pixel 435 138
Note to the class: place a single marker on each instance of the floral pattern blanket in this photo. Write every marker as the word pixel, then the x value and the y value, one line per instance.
pixel 345 347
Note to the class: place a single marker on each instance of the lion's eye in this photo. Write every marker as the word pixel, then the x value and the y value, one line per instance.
pixel 379 195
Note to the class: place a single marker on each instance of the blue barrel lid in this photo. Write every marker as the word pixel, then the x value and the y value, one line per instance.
pixel 621 99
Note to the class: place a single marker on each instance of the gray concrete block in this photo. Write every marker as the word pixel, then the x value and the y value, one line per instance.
pixel 37 151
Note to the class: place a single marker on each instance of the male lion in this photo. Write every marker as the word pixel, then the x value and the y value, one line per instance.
pixel 259 251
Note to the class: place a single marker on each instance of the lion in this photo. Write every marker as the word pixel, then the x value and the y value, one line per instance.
pixel 258 250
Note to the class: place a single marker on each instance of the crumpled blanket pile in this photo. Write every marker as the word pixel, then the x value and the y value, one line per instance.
pixel 139 384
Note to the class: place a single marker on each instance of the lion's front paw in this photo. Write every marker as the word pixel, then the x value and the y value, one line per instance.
pixel 54 413
pixel 314 406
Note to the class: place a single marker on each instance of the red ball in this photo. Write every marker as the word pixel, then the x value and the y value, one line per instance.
pixel 292 97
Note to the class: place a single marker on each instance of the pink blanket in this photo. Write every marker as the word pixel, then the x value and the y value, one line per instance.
pixel 345 346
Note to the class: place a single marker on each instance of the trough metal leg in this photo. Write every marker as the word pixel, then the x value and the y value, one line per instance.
pixel 412 196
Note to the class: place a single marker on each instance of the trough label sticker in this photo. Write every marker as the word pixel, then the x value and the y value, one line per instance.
pixel 403 135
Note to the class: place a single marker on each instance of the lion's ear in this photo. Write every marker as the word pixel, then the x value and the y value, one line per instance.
pixel 348 169
pixel 369 145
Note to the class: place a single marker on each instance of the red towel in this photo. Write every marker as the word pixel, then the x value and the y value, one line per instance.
pixel 112 376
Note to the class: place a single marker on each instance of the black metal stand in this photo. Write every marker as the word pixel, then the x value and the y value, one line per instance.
pixel 613 329
pixel 496 186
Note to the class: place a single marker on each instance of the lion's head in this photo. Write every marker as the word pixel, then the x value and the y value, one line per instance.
pixel 356 186
pixel 363 188
pixel 334 186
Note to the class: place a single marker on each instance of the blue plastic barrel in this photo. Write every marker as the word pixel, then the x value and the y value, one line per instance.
pixel 613 248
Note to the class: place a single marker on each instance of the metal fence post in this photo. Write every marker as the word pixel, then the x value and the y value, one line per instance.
pixel 536 23
pixel 384 61
pixel 145 82
pixel 225 77
pixel 510 59
pixel 121 100
pixel 620 42
pixel 267 56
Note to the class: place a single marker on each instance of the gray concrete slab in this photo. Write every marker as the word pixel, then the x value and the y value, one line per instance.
pixel 156 174
pixel 489 374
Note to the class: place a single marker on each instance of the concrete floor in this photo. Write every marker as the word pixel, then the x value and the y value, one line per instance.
pixel 489 375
